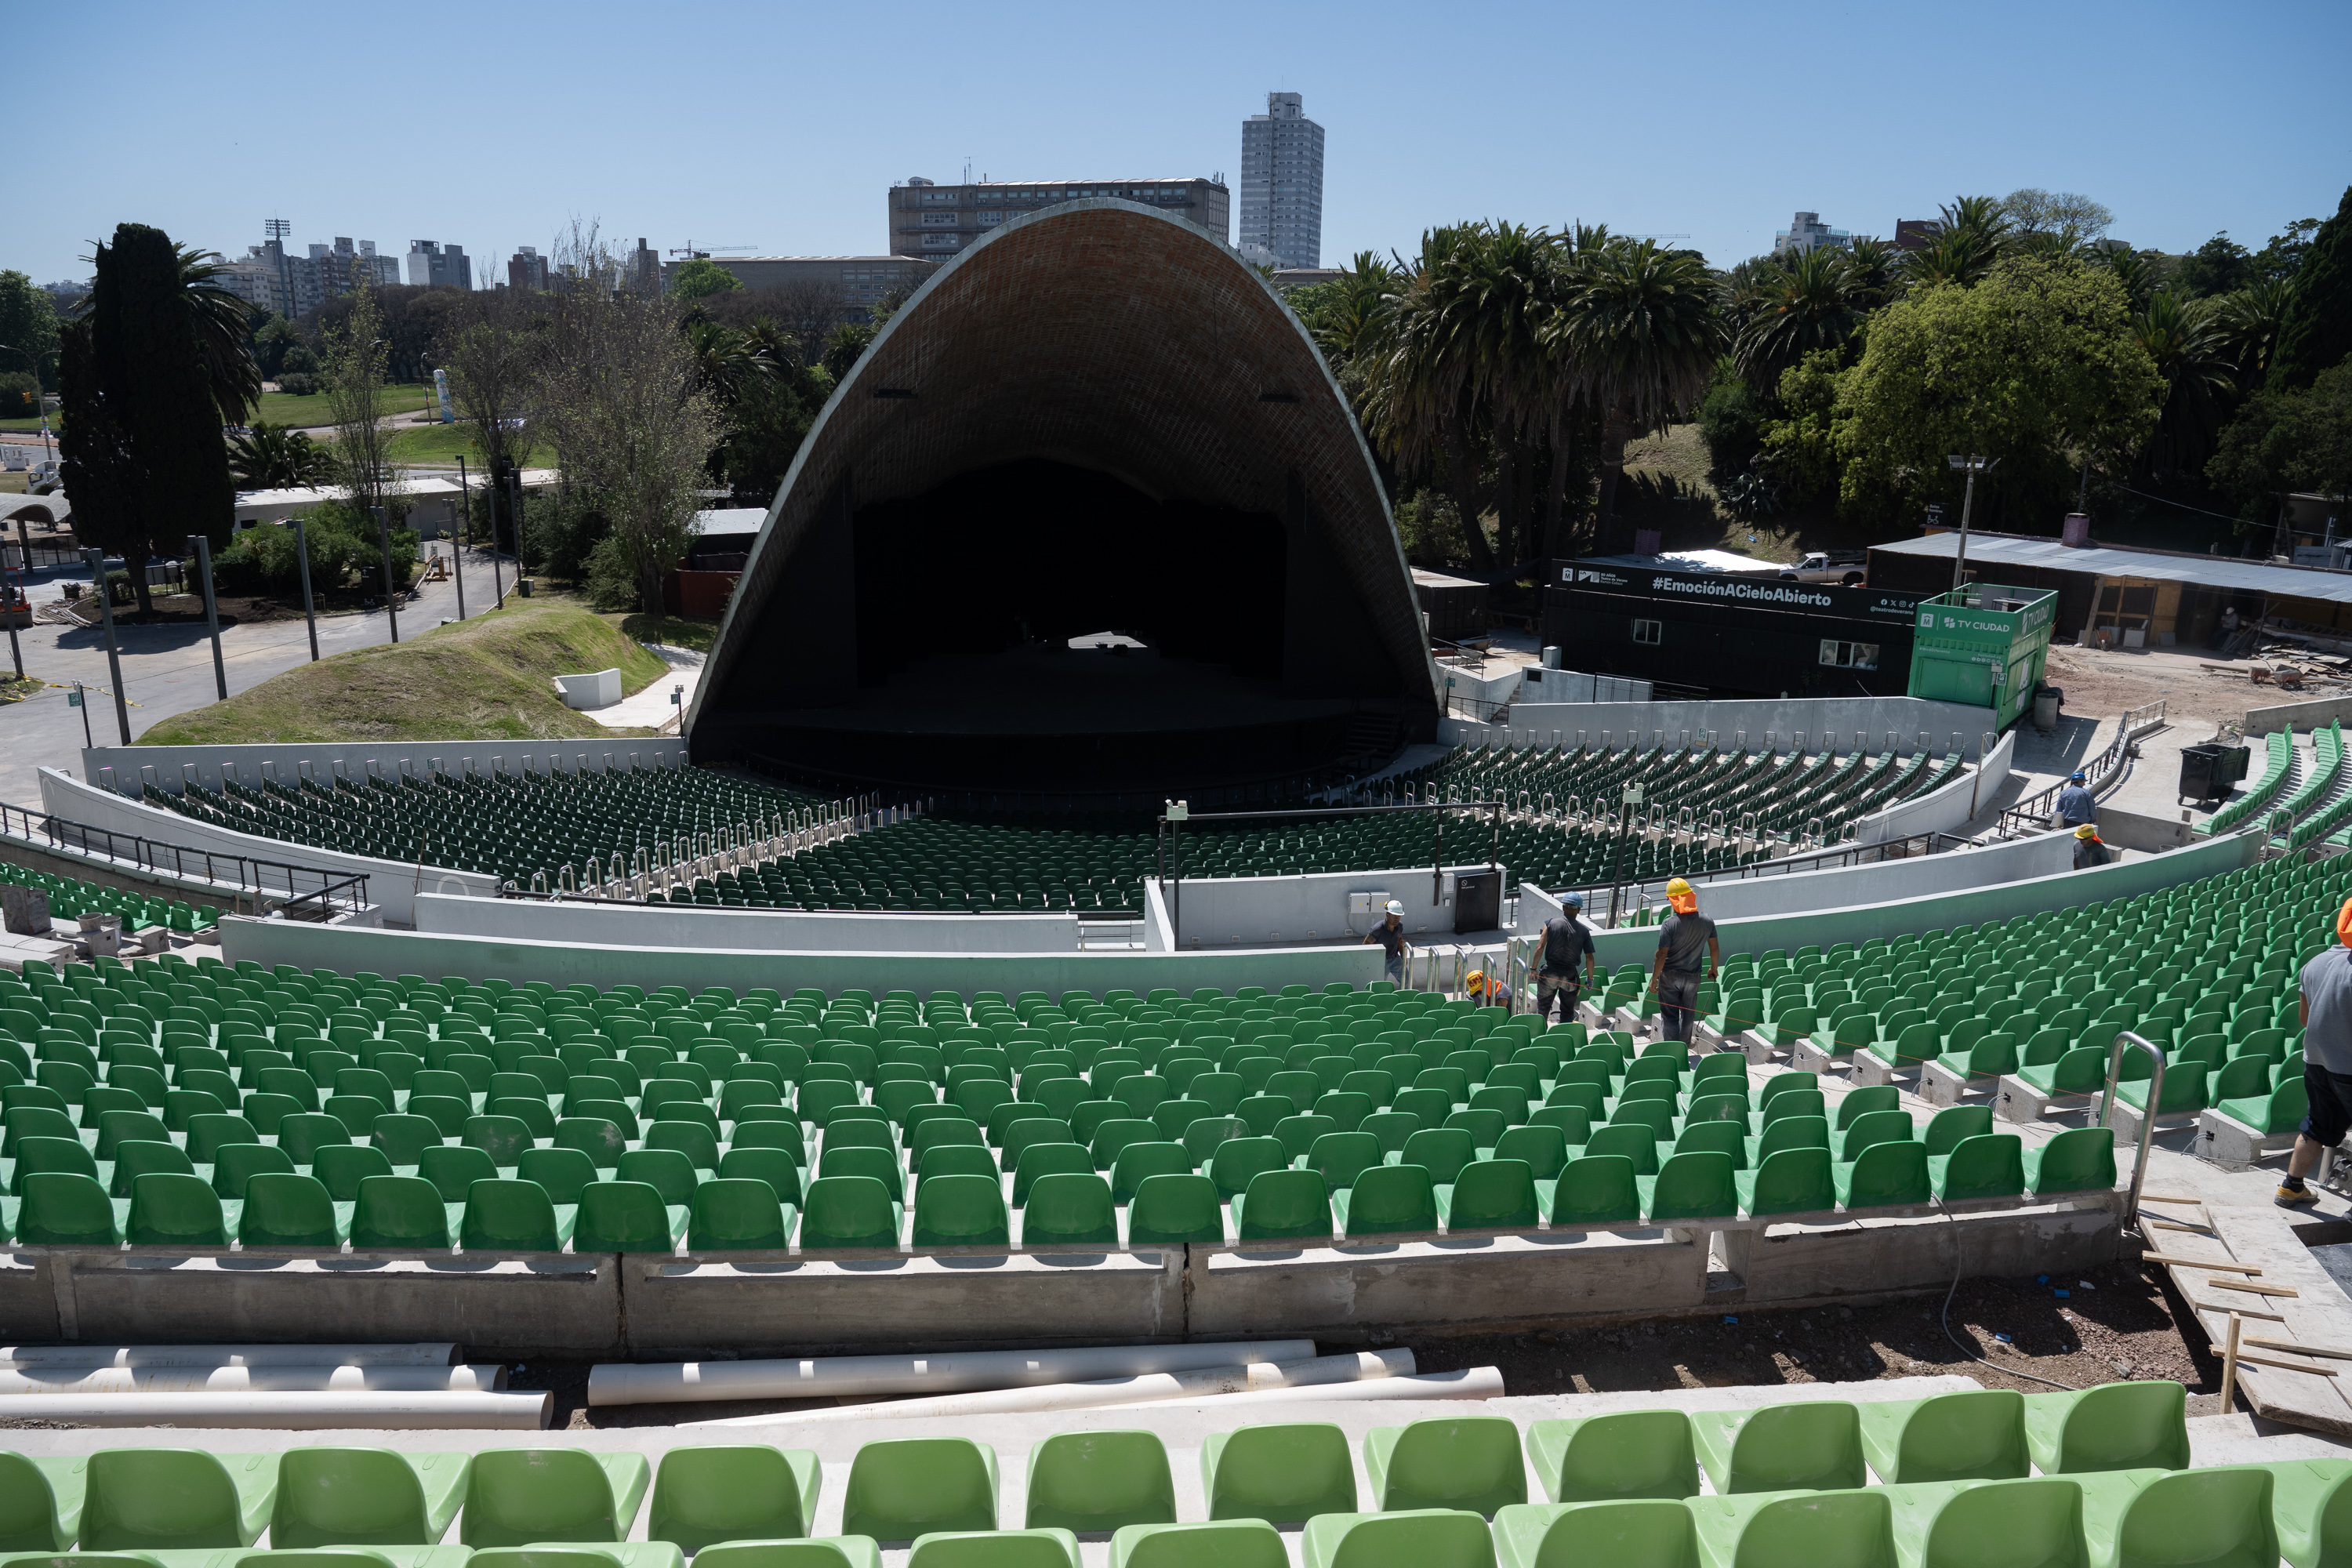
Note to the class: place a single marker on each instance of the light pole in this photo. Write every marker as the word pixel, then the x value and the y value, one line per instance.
pixel 96 560
pixel 302 557
pixel 391 609
pixel 1972 466
pixel 458 535
pixel 201 549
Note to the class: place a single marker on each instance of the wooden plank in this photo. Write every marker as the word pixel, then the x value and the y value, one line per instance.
pixel 2161 1224
pixel 2316 1313
pixel 2248 1358
pixel 2170 1261
pixel 2327 1351
pixel 2256 1289
pixel 2242 1312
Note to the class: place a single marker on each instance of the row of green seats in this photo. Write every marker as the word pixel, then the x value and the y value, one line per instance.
pixel 69 898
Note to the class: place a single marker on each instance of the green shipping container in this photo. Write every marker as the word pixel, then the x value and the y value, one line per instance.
pixel 1984 645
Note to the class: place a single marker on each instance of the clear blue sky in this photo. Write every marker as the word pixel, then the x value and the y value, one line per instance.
pixel 780 127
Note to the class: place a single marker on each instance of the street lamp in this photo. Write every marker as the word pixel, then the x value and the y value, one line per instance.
pixel 1972 466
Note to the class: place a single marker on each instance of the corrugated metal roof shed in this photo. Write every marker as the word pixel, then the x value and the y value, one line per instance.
pixel 2103 560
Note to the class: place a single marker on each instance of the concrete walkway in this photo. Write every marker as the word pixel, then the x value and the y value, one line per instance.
pixel 653 707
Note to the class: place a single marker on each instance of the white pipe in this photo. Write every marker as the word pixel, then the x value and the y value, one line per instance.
pixel 663 1383
pixel 1146 1388
pixel 17 1383
pixel 443 1354
pixel 297 1412
pixel 1476 1382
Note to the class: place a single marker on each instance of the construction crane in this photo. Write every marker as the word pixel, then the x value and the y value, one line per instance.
pixel 704 253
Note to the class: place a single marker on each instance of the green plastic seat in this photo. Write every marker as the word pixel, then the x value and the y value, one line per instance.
pixel 1222 1543
pixel 1969 1524
pixel 1596 1191
pixel 1788 1181
pixel 1137 1162
pixel 961 1211
pixel 2115 1426
pixel 1047 1548
pixel 41 1502
pixel 132 1161
pixel 2311 1503
pixel 1639 1533
pixel 516 1497
pixel 1174 1208
pixel 1472 1463
pixel 1813 1529
pixel 1977 1435
pixel 282 1209
pixel 452 1170
pixel 899 1489
pixel 70 1156
pixel 1989 1165
pixel 1422 1538
pixel 62 1208
pixel 2222 1514
pixel 1887 1175
pixel 1284 1474
pixel 1813 1444
pixel 365 1497
pixel 1100 1480
pixel 174 1209
pixel 627 1217
pixel 813 1552
pixel 1237 1163
pixel 1386 1199
pixel 1284 1205
pixel 844 1212
pixel 2079 1159
pixel 1490 1195
pixel 511 1215
pixel 738 1492
pixel 1697 1184
pixel 400 1213
pixel 1628 1454
pixel 1069 1208
pixel 160 1499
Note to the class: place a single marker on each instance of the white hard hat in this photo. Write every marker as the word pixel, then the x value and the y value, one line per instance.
pixel 1395 907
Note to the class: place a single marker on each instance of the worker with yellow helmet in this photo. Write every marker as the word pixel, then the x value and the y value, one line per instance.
pixel 1686 939
pixel 2090 849
pixel 1486 990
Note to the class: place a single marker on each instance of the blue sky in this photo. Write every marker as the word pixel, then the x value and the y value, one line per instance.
pixel 780 127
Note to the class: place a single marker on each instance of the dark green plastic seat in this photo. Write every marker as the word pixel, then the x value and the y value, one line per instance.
pixel 516 1497
pixel 1387 1199
pixel 159 1499
pixel 1635 1142
pixel 1235 1163
pixel 1284 1474
pixel 511 1215
pixel 1628 1454
pixel 844 1211
pixel 1047 1548
pixel 626 1217
pixel 961 1211
pixel 1694 1185
pixel 1490 1195
pixel 1284 1205
pixel 1596 1190
pixel 1977 1435
pixel 808 1552
pixel 134 1160
pixel 1069 1208
pixel 452 1170
pixel 1099 1481
pixel 1643 1530
pixel 60 1208
pixel 858 1160
pixel 36 1155
pixel 1472 1463
pixel 561 1172
pixel 1040 1160
pixel 703 1495
pixel 400 1213
pixel 774 1166
pixel 282 1209
pixel 1138 1163
pixel 365 1497
pixel 899 1489
pixel 1815 1445
pixel 174 1209
pixel 1221 1543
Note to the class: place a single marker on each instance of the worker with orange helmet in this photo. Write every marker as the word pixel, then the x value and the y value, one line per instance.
pixel 2324 1013
pixel 1685 938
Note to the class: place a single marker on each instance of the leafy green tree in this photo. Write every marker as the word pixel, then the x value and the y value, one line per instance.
pixel 144 458
pixel 2282 258
pixel 274 341
pixel 28 323
pixel 2033 363
pixel 1804 304
pixel 275 458
pixel 2220 266
pixel 2136 272
pixel 20 394
pixel 2287 438
pixel 1799 451
pixel 1730 421
pixel 724 362
pixel 2037 211
pixel 2317 332
pixel 1870 271
pixel 700 278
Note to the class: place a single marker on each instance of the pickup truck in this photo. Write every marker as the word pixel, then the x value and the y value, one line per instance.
pixel 1841 566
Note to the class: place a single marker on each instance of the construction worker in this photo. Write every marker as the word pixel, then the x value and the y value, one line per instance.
pixel 1675 972
pixel 1492 993
pixel 2075 805
pixel 1390 934
pixel 2325 1010
pixel 2090 849
pixel 1566 938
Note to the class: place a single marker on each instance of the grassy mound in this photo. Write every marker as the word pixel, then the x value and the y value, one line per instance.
pixel 488 678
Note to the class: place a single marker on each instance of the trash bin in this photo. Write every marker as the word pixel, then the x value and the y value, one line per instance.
pixel 2046 701
pixel 2230 767
pixel 2200 769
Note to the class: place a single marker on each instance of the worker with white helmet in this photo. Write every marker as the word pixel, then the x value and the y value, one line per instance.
pixel 1390 934
pixel 1686 940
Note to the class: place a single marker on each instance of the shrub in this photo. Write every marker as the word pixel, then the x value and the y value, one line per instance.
pixel 298 384
pixel 20 395
pixel 612 581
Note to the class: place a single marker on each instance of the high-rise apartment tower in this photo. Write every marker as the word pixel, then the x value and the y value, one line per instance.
pixel 1282 185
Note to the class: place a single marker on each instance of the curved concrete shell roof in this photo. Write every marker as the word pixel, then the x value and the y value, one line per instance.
pixel 1110 337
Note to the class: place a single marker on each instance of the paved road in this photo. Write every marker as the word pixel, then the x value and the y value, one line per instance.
pixel 169 670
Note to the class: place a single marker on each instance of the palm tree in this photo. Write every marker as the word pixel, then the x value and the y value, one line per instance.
pixel 2252 317
pixel 1870 271
pixel 274 457
pixel 1642 325
pixel 1964 243
pixel 2132 270
pixel 767 340
pixel 2191 343
pixel 224 324
pixel 724 364
pixel 1422 374
pixel 1804 304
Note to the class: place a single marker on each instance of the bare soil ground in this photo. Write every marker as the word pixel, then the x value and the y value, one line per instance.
pixel 2105 684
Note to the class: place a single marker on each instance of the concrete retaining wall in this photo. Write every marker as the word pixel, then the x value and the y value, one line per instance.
pixel 741 930
pixel 2308 715
pixel 392 886
pixel 561 964
pixel 595 753
pixel 1235 911
pixel 1823 721
pixel 1948 808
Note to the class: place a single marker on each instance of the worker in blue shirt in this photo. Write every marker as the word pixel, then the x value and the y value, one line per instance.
pixel 2075 805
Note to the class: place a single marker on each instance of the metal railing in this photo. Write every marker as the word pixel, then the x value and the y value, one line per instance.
pixel 305 892
pixel 2032 814
pixel 2147 1121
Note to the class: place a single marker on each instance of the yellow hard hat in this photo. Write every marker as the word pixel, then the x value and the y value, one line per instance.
pixel 1677 887
pixel 1475 982
pixel 2086 831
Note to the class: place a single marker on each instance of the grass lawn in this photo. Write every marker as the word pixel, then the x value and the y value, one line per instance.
pixel 440 445
pixel 488 676
pixel 280 408
pixel 670 630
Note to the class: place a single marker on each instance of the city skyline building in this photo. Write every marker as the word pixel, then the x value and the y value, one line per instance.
pixel 442 264
pixel 1282 185
pixel 935 221
pixel 1806 231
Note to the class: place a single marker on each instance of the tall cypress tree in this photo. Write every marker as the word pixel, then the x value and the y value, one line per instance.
pixel 142 453
pixel 2317 333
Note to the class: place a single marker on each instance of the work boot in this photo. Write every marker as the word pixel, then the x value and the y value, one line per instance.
pixel 2296 1197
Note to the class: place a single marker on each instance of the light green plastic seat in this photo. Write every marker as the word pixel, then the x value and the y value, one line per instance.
pixel 567 1555
pixel 1596 1191
pixel 1628 1454
pixel 735 1491
pixel 1470 1463
pixel 2115 1426
pixel 1222 1543
pixel 365 1497
pixel 1049 1548
pixel 155 1499
pixel 518 1496
pixel 1387 1199
pixel 1852 1528
pixel 2311 1503
pixel 2220 1516
pixel 1633 1532
pixel 1886 1175
pixel 1284 1474
pixel 2080 1159
pixel 813 1552
pixel 899 1489
pixel 1976 1435
pixel 1811 1444
pixel 1988 1165
pixel 1986 1524
pixel 1418 1538
pixel 1100 1480
pixel 40 1501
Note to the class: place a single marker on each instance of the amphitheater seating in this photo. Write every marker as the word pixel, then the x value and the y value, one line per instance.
pixel 2103 1474
pixel 69 898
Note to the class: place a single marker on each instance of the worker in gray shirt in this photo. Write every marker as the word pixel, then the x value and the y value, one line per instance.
pixel 2075 805
pixel 1686 939
pixel 2326 1012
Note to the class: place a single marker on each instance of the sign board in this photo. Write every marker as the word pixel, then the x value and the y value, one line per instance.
pixel 1632 794
pixel 1757 590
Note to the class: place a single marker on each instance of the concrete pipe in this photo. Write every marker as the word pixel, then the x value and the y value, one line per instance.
pixel 1476 1382
pixel 17 1383
pixel 95 1355
pixel 962 1372
pixel 1146 1388
pixel 291 1412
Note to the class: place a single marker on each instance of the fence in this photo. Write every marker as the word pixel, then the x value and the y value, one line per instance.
pixel 2032 815
pixel 304 892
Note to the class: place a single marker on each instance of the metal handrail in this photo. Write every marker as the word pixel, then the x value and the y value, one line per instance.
pixel 2034 809
pixel 307 885
pixel 2146 1122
